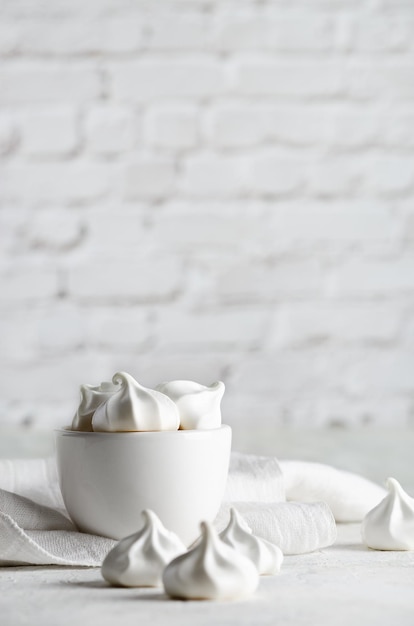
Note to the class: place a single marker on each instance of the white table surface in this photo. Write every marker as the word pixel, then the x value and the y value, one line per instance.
pixel 344 584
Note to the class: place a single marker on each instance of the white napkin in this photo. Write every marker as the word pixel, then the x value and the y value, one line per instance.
pixel 36 479
pixel 35 528
pixel 295 527
pixel 255 479
pixel 349 496
pixel 256 488
pixel 47 546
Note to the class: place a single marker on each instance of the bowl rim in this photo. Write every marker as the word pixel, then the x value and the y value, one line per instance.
pixel 197 432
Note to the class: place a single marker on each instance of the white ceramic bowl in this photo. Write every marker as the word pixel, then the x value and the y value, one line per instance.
pixel 107 479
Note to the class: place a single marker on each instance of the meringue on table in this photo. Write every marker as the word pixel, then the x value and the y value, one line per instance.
pixel 139 560
pixel 390 525
pixel 266 556
pixel 211 570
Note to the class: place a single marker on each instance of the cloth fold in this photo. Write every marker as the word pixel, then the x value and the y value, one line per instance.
pixel 35 527
pixel 256 488
pixel 31 515
pixel 49 547
pixel 255 479
pixel 349 496
pixel 296 527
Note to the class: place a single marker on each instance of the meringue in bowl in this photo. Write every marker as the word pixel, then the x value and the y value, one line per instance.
pixel 129 453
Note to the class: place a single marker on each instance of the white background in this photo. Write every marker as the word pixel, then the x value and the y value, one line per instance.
pixel 209 190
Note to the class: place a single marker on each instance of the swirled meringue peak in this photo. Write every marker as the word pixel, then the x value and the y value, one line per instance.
pixel 91 398
pixel 199 406
pixel 135 408
pixel 139 560
pixel 211 570
pixel 390 525
pixel 266 556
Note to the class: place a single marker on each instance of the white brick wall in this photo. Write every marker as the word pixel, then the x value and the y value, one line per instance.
pixel 209 190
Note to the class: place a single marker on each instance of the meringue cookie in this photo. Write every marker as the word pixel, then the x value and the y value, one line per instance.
pixel 135 408
pixel 199 406
pixel 390 525
pixel 91 398
pixel 266 556
pixel 139 560
pixel 212 570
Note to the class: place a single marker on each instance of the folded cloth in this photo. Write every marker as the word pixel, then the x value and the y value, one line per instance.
pixel 35 534
pixel 255 487
pixel 348 495
pixel 49 547
pixel 36 479
pixel 35 527
pixel 32 516
pixel 295 527
pixel 254 478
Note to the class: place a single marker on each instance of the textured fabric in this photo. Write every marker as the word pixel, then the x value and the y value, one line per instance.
pixel 256 488
pixel 295 527
pixel 348 495
pixel 35 529
pixel 36 479
pixel 32 516
pixel 49 547
pixel 254 478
